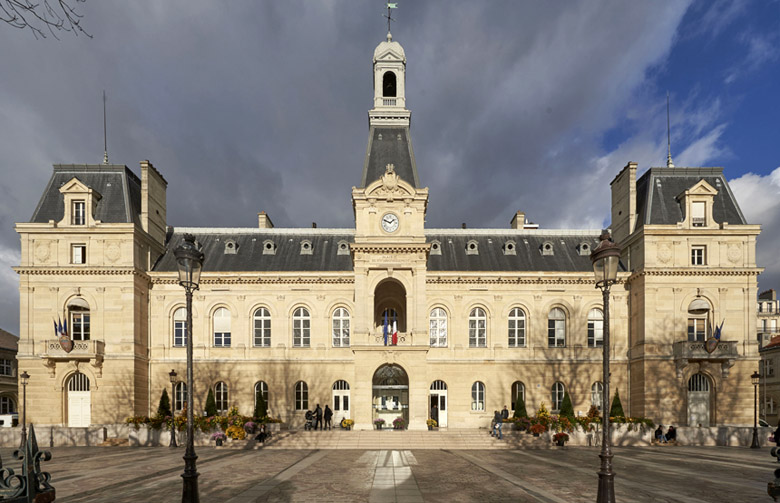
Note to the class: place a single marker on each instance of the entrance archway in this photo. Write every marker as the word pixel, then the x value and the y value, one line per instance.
pixel 390 308
pixel 438 397
pixel 699 400
pixel 79 401
pixel 390 394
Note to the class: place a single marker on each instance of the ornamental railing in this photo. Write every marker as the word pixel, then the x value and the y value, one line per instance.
pixel 81 349
pixel 726 353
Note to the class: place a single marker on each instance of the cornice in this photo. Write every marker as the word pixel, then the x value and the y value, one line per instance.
pixel 460 280
pixel 696 272
pixel 279 280
pixel 81 271
pixel 390 248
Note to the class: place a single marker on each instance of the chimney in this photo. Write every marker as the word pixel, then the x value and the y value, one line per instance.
pixel 314 225
pixel 264 221
pixel 518 221
pixel 624 203
pixel 153 202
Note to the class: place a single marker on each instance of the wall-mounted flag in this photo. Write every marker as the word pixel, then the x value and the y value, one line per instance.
pixel 712 343
pixel 61 333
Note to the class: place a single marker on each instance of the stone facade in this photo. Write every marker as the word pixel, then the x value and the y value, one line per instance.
pixel 300 314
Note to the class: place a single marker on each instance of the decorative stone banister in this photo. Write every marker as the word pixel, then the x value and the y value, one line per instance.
pixel 91 350
pixel 725 353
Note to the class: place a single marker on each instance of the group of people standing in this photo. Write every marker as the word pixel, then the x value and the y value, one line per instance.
pixel 316 417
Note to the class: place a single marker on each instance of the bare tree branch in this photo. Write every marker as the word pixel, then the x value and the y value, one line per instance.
pixel 40 15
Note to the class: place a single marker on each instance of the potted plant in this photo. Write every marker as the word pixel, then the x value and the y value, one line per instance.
pixel 431 424
pixel 561 438
pixel 537 429
pixel 399 423
pixel 379 423
pixel 347 424
pixel 219 437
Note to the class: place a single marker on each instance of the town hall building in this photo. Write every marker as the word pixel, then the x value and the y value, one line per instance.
pixel 482 317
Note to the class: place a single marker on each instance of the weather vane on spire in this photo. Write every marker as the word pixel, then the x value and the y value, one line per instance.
pixel 390 5
pixel 669 163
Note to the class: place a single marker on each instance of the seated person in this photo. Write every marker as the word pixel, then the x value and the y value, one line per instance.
pixel 260 437
pixel 671 434
pixel 659 434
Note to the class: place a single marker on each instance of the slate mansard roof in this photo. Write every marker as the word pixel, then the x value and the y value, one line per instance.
pixel 534 250
pixel 658 188
pixel 389 145
pixel 119 187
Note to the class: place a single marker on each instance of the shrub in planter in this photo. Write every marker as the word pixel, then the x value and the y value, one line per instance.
pixel 236 432
pixel 164 407
pixel 249 427
pixel 617 408
pixel 537 429
pixel 567 410
pixel 399 423
pixel 211 404
pixel 520 408
pixel 379 423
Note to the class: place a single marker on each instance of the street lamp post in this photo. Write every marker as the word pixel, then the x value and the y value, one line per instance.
pixel 755 379
pixel 189 260
pixel 172 374
pixel 605 260
pixel 25 377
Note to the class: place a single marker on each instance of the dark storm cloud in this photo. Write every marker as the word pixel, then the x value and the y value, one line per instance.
pixel 250 106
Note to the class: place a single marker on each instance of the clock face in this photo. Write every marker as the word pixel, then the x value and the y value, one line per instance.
pixel 390 222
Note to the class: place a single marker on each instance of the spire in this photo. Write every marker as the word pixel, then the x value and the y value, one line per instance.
pixel 390 5
pixel 669 163
pixel 105 137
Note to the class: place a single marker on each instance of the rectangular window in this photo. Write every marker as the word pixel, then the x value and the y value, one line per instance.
pixel 595 333
pixel 78 254
pixel 698 255
pixel 556 333
pixel 222 339
pixel 696 330
pixel 78 216
pixel 180 333
pixel 770 367
pixel 697 214
pixel 6 368
pixel 79 325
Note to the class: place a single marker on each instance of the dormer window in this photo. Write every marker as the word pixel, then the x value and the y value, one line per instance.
pixel 231 247
pixel 510 247
pixel 547 248
pixel 269 247
pixel 472 247
pixel 79 212
pixel 343 248
pixel 306 247
pixel 583 249
pixel 435 248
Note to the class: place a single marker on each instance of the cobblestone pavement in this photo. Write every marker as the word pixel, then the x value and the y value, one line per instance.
pixel 644 474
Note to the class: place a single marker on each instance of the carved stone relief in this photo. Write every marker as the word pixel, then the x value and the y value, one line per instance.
pixel 664 253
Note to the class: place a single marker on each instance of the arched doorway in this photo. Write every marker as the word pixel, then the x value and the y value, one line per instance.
pixel 699 400
pixel 438 397
pixel 340 401
pixel 390 310
pixel 391 394
pixel 79 401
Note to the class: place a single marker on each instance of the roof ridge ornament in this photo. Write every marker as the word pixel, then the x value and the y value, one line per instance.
pixel 669 163
pixel 390 5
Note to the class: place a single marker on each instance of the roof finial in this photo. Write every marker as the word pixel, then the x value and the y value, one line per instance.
pixel 105 142
pixel 669 163
pixel 390 5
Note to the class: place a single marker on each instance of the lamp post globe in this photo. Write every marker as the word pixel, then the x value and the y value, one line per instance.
pixel 25 377
pixel 172 374
pixel 189 260
pixel 605 258
pixel 755 379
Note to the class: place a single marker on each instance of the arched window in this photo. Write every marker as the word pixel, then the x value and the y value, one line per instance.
pixel 477 328
pixel 78 313
pixel 78 382
pixel 557 396
pixel 518 394
pixel 180 327
pixel 595 328
pixel 556 328
pixel 438 328
pixel 6 405
pixel 180 396
pixel 222 328
pixel 221 397
pixel 301 396
pixel 261 389
pixel 340 328
pixel 597 394
pixel 477 396
pixel 388 84
pixel 301 328
pixel 262 336
pixel 698 382
pixel 516 328
pixel 698 314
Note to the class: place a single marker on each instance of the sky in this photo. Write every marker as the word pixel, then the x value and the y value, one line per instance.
pixel 249 106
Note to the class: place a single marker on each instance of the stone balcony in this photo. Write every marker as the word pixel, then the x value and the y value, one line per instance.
pixel 685 352
pixel 91 351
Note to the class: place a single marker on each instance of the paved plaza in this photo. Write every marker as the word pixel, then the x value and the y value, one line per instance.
pixel 558 475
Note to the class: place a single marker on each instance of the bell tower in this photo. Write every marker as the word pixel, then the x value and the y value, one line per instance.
pixel 389 86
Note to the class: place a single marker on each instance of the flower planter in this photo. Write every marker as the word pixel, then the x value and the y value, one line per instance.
pixel 535 434
pixel 219 442
pixel 430 428
pixel 560 443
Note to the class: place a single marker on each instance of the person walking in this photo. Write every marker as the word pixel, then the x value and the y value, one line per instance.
pixel 498 423
pixel 328 414
pixel 318 417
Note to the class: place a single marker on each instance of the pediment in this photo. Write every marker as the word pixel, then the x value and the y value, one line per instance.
pixel 74 185
pixel 701 188
pixel 390 55
pixel 390 185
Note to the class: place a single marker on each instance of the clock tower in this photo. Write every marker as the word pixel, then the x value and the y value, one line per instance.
pixel 389 251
